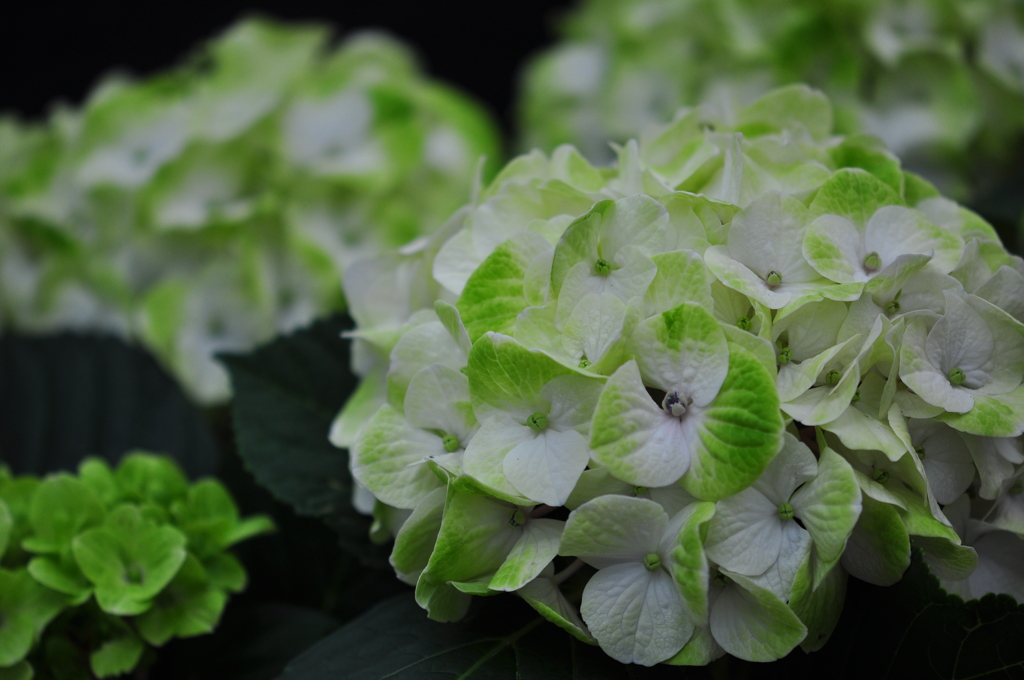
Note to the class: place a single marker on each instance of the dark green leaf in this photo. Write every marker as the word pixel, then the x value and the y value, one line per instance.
pixel 68 396
pixel 287 393
pixel 502 639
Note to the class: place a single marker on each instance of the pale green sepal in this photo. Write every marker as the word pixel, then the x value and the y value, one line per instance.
pixel 117 656
pixel 796 378
pixel 544 595
pixel 506 378
pixel 854 194
pixel 682 277
pixel 443 602
pixel 532 552
pixel 415 540
pixel 946 559
pixel 760 348
pixel 389 459
pixel 477 534
pixel 829 506
pixel 689 565
pixel 452 321
pixel 494 294
pixel 740 431
pixel 872 489
pixel 823 404
pixel 752 623
pixel 879 548
pixel 480 587
pixel 992 416
pixel 818 608
pixel 359 408
pixel 701 650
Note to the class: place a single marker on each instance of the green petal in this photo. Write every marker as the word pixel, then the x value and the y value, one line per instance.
pixel 879 548
pixel 752 623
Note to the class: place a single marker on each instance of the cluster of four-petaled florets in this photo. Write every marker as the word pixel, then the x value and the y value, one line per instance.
pixel 648 346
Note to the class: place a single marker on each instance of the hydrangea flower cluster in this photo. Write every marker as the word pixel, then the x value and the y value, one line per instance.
pixel 711 381
pixel 211 207
pixel 95 568
pixel 940 81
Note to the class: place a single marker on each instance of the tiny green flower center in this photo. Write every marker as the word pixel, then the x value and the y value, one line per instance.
pixel 743 323
pixel 785 355
pixel 773 279
pixel 652 562
pixel 1017 489
pixel 637 490
pixel 881 475
pixel 893 307
pixel 920 451
pixel 786 511
pixel 872 262
pixel 602 267
pixel 674 404
pixel 584 363
pixel 517 519
pixel 451 443
pixel 538 421
pixel 133 574
pixel 721 579
pixel 856 396
pixel 832 377
pixel 957 376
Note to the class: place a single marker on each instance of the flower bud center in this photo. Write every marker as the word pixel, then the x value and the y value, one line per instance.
pixel 856 396
pixel 602 267
pixel 721 579
pixel 652 562
pixel 637 490
pixel 743 323
pixel 451 443
pixel 133 574
pixel 957 376
pixel 893 307
pixel 773 279
pixel 538 421
pixel 920 451
pixel 583 363
pixel 832 377
pixel 785 355
pixel 674 404
pixel 872 262
pixel 881 475
pixel 786 511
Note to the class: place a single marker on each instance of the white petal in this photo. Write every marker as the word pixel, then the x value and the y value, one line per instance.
pixel 546 468
pixel 745 534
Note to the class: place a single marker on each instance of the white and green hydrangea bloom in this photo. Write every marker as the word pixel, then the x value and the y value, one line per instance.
pixel 675 403
pixel 623 66
pixel 209 208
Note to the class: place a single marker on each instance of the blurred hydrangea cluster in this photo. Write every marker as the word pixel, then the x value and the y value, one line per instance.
pixel 940 81
pixel 98 567
pixel 711 381
pixel 210 207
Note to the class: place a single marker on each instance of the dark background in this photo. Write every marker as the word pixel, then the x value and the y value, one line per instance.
pixel 57 51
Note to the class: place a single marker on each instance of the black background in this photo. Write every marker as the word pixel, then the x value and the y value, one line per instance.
pixel 58 51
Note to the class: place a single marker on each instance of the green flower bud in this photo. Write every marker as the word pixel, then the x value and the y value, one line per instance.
pixel 773 279
pixel 538 421
pixel 881 475
pixel 893 307
pixel 652 562
pixel 785 355
pixel 832 377
pixel 872 262
pixel 957 376
pixel 637 490
pixel 517 519
pixel 602 267
pixel 583 363
pixel 451 443
pixel 743 323
pixel 786 511
pixel 856 396
pixel 920 451
pixel 720 579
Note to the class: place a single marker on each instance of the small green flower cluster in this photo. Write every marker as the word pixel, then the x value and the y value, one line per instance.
pixel 940 81
pixel 211 207
pixel 96 568
pixel 746 361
